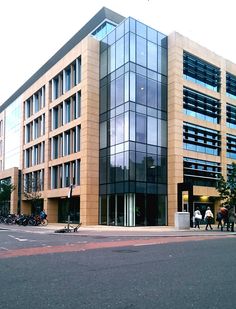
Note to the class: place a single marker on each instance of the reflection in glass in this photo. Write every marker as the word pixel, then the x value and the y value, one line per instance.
pixel 141 89
pixel 141 51
pixel 140 128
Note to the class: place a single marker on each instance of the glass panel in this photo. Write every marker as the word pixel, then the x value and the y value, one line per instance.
pixel 139 209
pixel 152 168
pixel 120 90
pixel 120 129
pixel 141 29
pixel 112 210
pixel 132 126
pixel 112 131
pixel 141 89
pixel 103 170
pixel 103 209
pixel 120 53
pixel 152 56
pixel 120 210
pixel 132 87
pixel 152 93
pixel 112 90
pixel 152 35
pixel 103 64
pixel 103 135
pixel 132 47
pixel 152 131
pixel 162 133
pixel 141 128
pixel 120 166
pixel 140 166
pixel 141 51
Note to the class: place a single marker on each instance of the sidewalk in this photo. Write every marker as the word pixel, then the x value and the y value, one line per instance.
pixel 151 231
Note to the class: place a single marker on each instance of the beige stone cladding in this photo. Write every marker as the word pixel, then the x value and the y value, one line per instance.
pixel 87 156
pixel 177 44
pixel 12 173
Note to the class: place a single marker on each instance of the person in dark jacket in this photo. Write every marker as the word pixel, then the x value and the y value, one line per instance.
pixel 219 218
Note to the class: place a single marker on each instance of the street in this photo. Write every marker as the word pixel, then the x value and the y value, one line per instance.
pixel 110 272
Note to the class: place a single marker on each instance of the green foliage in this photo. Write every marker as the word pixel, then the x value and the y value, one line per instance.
pixel 6 188
pixel 227 188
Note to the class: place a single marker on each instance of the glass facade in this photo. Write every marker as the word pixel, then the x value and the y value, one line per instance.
pixel 12 134
pixel 133 126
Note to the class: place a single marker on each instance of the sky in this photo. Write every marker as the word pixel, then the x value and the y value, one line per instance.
pixel 31 31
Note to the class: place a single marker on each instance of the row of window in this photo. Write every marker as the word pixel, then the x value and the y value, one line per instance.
pixel 34 155
pixel 65 143
pixel 200 172
pixel 66 79
pixel 34 181
pixel 206 108
pixel 231 146
pixel 134 26
pixel 65 174
pixel 132 126
pixel 131 166
pixel 133 48
pixel 207 75
pixel 133 87
pixel 62 175
pixel 201 106
pixel 201 72
pixel 35 103
pixel 66 111
pixel 201 139
pixel 35 129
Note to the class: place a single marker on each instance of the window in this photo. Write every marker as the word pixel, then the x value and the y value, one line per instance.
pixel 201 72
pixel 200 172
pixel 231 85
pixel 201 139
pixel 201 106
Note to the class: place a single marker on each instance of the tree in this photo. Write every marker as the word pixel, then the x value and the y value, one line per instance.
pixel 227 188
pixel 32 188
pixel 6 188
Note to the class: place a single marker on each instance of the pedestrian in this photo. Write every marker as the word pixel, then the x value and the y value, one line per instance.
pixel 197 217
pixel 225 217
pixel 232 218
pixel 208 217
pixel 219 218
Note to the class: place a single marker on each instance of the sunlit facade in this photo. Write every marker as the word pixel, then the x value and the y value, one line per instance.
pixel 139 123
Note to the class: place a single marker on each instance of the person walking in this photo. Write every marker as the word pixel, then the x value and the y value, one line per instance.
pixel 219 218
pixel 232 218
pixel 208 217
pixel 197 217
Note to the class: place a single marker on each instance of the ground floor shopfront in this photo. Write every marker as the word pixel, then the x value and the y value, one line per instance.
pixel 133 209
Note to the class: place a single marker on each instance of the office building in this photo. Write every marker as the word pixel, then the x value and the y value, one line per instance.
pixel 140 123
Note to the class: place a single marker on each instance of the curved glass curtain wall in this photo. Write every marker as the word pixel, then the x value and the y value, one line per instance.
pixel 133 124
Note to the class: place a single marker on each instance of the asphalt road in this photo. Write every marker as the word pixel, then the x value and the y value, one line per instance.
pixel 192 273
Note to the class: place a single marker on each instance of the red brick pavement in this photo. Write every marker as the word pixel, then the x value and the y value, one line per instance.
pixel 100 245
